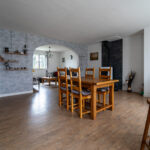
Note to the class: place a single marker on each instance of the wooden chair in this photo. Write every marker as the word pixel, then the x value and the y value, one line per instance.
pixel 145 135
pixel 77 92
pixel 104 75
pixel 63 86
pixel 90 73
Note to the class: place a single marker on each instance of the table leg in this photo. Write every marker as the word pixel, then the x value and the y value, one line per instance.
pixel 38 84
pixel 93 102
pixel 60 98
pixel 145 135
pixel 111 96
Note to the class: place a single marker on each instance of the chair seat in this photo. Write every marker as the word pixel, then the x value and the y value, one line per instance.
pixel 103 89
pixel 84 92
pixel 64 88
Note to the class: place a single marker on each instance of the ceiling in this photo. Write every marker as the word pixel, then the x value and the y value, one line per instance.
pixel 54 48
pixel 78 21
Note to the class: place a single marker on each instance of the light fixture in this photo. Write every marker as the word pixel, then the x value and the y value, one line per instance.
pixel 11 38
pixel 50 53
pixel 25 45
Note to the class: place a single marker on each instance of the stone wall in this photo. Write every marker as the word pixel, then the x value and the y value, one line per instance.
pixel 15 82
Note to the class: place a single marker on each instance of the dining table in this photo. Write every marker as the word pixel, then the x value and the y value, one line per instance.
pixel 49 80
pixel 94 84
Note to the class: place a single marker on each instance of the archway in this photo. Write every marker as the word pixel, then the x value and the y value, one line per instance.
pixel 47 58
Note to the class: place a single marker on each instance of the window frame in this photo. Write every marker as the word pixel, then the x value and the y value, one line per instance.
pixel 39 62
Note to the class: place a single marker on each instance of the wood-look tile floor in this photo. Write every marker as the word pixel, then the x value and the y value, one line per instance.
pixel 35 122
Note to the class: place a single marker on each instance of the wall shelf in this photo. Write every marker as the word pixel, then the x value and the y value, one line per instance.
pixel 16 69
pixel 15 53
pixel 8 68
pixel 9 61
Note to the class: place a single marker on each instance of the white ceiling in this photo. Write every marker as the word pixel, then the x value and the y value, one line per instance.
pixel 55 48
pixel 78 21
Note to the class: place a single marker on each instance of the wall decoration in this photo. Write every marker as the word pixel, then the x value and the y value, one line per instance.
pixel 6 62
pixel 94 56
pixel 25 45
pixel 1 59
pixel 25 49
pixel 63 59
pixel 7 65
pixel 6 49
pixel 71 57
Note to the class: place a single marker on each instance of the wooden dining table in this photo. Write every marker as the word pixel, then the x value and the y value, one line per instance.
pixel 94 84
pixel 50 79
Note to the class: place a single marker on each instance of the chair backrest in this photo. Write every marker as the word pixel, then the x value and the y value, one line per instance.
pixel 90 73
pixel 62 77
pixel 105 73
pixel 75 81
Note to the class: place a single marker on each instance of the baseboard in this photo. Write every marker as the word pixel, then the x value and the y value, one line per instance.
pixel 147 95
pixel 13 94
pixel 134 91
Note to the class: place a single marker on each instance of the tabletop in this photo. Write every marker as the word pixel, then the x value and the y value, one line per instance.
pixel 49 77
pixel 97 81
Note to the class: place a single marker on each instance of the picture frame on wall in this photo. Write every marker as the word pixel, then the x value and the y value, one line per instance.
pixel 94 56
pixel 63 59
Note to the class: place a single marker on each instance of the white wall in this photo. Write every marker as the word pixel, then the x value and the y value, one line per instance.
pixel 53 62
pixel 97 47
pixel 147 62
pixel 73 63
pixel 133 51
pixel 39 72
pixel 132 59
pixel 56 61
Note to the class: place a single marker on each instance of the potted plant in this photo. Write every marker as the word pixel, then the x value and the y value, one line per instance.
pixel 130 80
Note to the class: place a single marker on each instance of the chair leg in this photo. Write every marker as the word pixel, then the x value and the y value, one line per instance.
pixel 71 102
pixel 69 99
pixel 60 98
pixel 83 103
pixel 99 99
pixel 80 103
pixel 67 96
pixel 104 98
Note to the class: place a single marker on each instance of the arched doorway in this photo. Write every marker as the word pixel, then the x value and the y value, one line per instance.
pixel 47 58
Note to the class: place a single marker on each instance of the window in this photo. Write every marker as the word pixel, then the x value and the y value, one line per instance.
pixel 35 61
pixel 43 62
pixel 39 61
